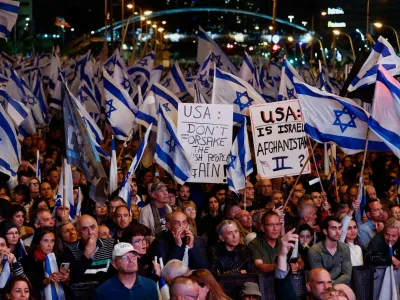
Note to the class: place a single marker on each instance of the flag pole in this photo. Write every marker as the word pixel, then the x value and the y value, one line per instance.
pixel 334 176
pixel 316 166
pixel 244 194
pixel 301 172
pixel 125 145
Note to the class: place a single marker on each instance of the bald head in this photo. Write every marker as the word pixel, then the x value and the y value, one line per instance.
pixel 87 227
pixel 318 281
pixel 184 285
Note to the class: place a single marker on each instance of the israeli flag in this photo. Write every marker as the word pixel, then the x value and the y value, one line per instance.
pixel 121 76
pixel 120 109
pixel 382 54
pixel 158 96
pixel 169 151
pixel 308 76
pixel 385 115
pixel 174 81
pixel 65 192
pixel 79 204
pixel 155 74
pixel 16 110
pixel 113 176
pixel 125 191
pixel 5 57
pixel 52 291
pixel 34 104
pixel 109 64
pixel 55 67
pixel 330 118
pixel 206 45
pixel 229 89
pixel 202 84
pixel 55 97
pixel 38 172
pixel 8 16
pixel 140 72
pixel 38 92
pixel 10 154
pixel 79 72
pixel 248 72
pixel 5 273
pixel 239 162
pixel 286 88
pixel 274 74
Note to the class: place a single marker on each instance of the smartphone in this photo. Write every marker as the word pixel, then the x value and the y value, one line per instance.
pixel 64 266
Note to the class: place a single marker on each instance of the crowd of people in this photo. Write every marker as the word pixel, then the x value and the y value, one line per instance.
pixel 188 235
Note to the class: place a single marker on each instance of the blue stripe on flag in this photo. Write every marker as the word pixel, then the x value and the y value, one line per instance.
pixel 392 137
pixel 116 93
pixel 227 77
pixel 170 162
pixel 163 94
pixel 10 133
pixel 178 79
pixel 6 166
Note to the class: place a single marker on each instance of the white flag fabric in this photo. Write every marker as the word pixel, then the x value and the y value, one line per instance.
pixel 286 88
pixel 65 192
pixel 5 274
pixel 10 148
pixel 169 151
pixel 8 16
pixel 52 291
pixel 125 192
pixel 174 81
pixel 382 54
pixel 385 114
pixel 330 118
pixel 113 176
pixel 140 72
pixel 239 162
pixel 248 72
pixel 38 171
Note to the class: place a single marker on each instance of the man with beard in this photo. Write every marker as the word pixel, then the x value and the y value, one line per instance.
pixel 127 284
pixel 183 194
pixel 230 257
pixel 122 220
pixel 47 194
pixel 331 254
pixel 374 225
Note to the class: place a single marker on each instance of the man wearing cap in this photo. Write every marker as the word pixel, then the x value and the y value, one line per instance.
pixel 250 291
pixel 127 284
pixel 154 215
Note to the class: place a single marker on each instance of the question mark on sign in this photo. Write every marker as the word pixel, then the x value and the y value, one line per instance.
pixel 301 157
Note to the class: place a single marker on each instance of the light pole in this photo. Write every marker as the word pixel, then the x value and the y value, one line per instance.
pixel 380 25
pixel 367 28
pixel 322 13
pixel 273 28
pixel 337 32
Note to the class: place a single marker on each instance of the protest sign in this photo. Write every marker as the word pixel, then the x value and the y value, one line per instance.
pixel 280 142
pixel 205 132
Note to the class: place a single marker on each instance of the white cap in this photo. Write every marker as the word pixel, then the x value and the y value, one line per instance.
pixel 122 249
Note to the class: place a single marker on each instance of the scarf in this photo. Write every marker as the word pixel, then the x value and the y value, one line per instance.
pixel 39 255
pixel 156 215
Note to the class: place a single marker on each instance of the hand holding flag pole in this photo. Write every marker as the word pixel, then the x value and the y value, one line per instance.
pixel 334 175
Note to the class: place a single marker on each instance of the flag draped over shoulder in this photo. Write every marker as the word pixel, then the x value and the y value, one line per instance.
pixel 385 114
pixel 80 149
pixel 169 151
pixel 5 273
pixel 239 162
pixel 330 118
pixel 8 16
pixel 125 192
pixel 54 290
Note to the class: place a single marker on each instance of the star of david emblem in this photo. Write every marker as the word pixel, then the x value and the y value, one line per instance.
pixel 125 83
pixel 31 100
pixel 171 144
pixel 204 82
pixel 143 62
pixel 216 59
pixel 24 101
pixel 85 98
pixel 231 160
pixel 137 79
pixel 238 100
pixel 111 108
pixel 165 105
pixel 342 123
pixel 167 82
pixel 290 93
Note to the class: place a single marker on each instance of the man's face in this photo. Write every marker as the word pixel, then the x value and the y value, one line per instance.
pixel 343 193
pixel 272 227
pixel 179 223
pixel 277 198
pixel 334 231
pixel 184 193
pixel 376 213
pixel 54 177
pixel 391 236
pixel 46 190
pixel 264 187
pixel 249 191
pixel 352 194
pixel 42 145
pixel 244 217
pixel 317 199
pixel 310 215
pixel 122 217
pixel 395 211
pixel 161 195
pixel 371 192
pixel 46 219
pixel 221 196
pixel 88 228
pixel 113 206
pixel 126 264
pixel 319 283
pixel 104 232
pixel 305 237
pixel 233 211
pixel 134 188
pixel 24 180
pixel 231 235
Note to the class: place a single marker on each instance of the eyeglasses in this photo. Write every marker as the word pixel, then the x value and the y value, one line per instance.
pixel 34 183
pixel 250 188
pixel 263 186
pixel 13 233
pixel 190 209
pixel 273 225
pixel 190 296
pixel 129 256
pixel 396 213
pixel 377 210
pixel 140 241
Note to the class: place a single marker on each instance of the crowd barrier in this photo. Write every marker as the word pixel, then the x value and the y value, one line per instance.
pixel 366 283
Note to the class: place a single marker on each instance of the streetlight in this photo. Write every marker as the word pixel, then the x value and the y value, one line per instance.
pixel 164 22
pixel 256 28
pixel 290 38
pixel 130 6
pixel 322 13
pixel 337 33
pixel 147 12
pixel 380 25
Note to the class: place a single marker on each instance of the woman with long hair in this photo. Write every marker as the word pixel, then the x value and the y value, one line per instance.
pixel 22 195
pixel 190 210
pixel 209 287
pixel 210 221
pixel 65 234
pixel 18 288
pixel 10 233
pixel 18 218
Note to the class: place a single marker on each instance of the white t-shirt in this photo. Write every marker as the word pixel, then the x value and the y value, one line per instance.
pixel 356 255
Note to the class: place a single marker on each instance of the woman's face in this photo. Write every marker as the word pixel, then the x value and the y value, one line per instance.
pixel 305 237
pixel 20 291
pixel 352 230
pixel 47 243
pixel 391 192
pixel 54 155
pixel 43 204
pixel 147 178
pixel 100 210
pixel 19 198
pixel 3 244
pixel 190 212
pixel 68 233
pixel 12 236
pixel 135 212
pixel 18 219
pixel 62 213
pixel 34 185
pixel 213 204
pixel 139 243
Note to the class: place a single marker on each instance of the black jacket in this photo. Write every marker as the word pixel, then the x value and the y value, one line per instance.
pixel 378 253
pixel 224 262
pixel 164 246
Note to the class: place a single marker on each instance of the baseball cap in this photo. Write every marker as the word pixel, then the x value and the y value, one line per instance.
pixel 122 249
